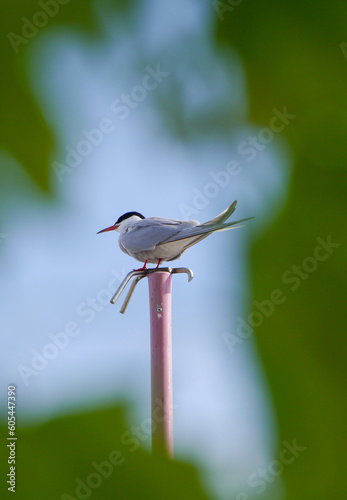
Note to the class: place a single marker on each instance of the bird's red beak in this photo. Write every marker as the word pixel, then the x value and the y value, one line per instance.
pixel 111 228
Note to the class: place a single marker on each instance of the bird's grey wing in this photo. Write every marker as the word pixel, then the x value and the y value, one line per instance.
pixel 219 219
pixel 149 233
pixel 202 231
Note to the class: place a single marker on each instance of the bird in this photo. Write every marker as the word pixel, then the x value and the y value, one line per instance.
pixel 152 240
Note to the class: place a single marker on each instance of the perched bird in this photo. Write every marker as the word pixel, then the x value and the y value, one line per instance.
pixel 154 239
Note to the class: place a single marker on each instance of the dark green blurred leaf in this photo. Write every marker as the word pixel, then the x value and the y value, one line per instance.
pixel 293 57
pixel 95 452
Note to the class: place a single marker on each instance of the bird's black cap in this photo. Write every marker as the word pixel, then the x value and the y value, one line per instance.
pixel 127 215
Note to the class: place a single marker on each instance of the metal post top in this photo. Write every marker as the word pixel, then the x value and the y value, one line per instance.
pixel 142 273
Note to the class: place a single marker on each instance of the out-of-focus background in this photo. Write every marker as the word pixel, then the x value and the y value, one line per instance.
pixel 175 109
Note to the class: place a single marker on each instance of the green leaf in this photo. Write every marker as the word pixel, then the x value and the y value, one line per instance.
pixel 293 55
pixel 95 455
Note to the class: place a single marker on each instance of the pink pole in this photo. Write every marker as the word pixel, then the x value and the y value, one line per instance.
pixel 160 286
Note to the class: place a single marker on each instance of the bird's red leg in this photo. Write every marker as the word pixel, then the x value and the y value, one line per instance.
pixel 159 263
pixel 142 268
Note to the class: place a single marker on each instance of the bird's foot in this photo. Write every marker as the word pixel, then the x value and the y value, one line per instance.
pixel 142 268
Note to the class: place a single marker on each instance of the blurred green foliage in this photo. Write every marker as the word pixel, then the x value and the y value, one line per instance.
pixel 295 56
pixel 94 456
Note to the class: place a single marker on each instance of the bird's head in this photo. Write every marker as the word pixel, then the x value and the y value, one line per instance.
pixel 124 220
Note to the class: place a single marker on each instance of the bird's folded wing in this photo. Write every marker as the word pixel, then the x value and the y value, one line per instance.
pixel 202 230
pixel 151 232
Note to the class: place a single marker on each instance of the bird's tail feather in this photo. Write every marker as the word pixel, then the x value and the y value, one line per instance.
pixel 204 230
pixel 223 216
